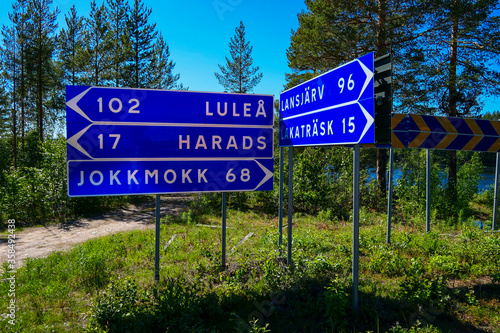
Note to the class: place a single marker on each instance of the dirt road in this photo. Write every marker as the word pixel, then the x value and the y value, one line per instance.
pixel 38 242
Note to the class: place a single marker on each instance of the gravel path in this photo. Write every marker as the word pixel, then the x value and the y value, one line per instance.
pixel 38 242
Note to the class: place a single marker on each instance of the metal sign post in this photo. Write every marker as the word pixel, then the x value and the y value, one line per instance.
pixel 290 205
pixel 157 239
pixel 355 228
pixel 389 196
pixel 280 218
pixel 495 203
pixel 428 191
pixel 224 199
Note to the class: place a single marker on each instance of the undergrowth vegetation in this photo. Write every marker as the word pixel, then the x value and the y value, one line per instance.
pixel 35 191
pixel 445 281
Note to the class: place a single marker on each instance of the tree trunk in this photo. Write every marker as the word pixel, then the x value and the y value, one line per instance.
pixel 96 62
pixel 452 109
pixel 381 170
pixel 381 50
pixel 40 92
pixel 23 93
pixel 14 104
pixel 73 61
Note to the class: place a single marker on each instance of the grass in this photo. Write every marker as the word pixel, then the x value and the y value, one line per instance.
pixel 444 281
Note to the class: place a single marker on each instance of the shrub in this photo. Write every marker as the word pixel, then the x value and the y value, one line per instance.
pixel 446 265
pixel 337 303
pixel 119 308
pixel 421 288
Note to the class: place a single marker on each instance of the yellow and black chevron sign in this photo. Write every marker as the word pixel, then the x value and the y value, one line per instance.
pixel 451 133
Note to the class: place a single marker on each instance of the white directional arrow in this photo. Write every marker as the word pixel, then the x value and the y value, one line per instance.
pixel 74 106
pixel 269 174
pixel 369 76
pixel 369 121
pixel 73 141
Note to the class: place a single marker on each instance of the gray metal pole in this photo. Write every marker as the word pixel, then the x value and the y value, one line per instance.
pixel 355 228
pixel 280 220
pixel 495 202
pixel 389 196
pixel 224 199
pixel 157 240
pixel 428 191
pixel 290 207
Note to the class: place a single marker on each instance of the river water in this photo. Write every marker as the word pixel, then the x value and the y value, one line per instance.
pixel 487 182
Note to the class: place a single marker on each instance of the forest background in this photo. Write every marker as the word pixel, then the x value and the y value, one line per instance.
pixel 445 61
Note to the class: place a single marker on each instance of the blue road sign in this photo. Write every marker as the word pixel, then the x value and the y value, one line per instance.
pixel 334 108
pixel 96 178
pixel 182 141
pixel 94 104
pixel 111 129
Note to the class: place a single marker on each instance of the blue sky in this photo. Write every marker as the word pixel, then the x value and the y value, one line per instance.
pixel 198 33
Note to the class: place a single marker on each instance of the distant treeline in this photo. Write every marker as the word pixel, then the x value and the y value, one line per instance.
pixel 115 45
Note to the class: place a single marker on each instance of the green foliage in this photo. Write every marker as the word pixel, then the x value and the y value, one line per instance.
pixel 36 192
pixel 445 265
pixel 147 64
pixel 71 49
pixel 410 189
pixel 311 184
pixel 409 192
pixel 469 177
pixel 359 28
pixel 93 268
pixel 109 279
pixel 420 288
pixel 177 306
pixel 319 181
pixel 187 217
pixel 458 86
pixel 414 329
pixel 388 262
pixel 42 76
pixel 485 198
pixel 255 328
pixel 4 114
pixel 207 203
pixel 119 308
pixel 337 301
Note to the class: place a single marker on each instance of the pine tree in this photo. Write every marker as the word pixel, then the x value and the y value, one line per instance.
pixel 142 37
pixel 40 59
pixel 461 45
pixel 9 76
pixel 161 67
pixel 7 119
pixel 18 48
pixel 238 75
pixel 333 32
pixel 71 48
pixel 117 13
pixel 98 41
